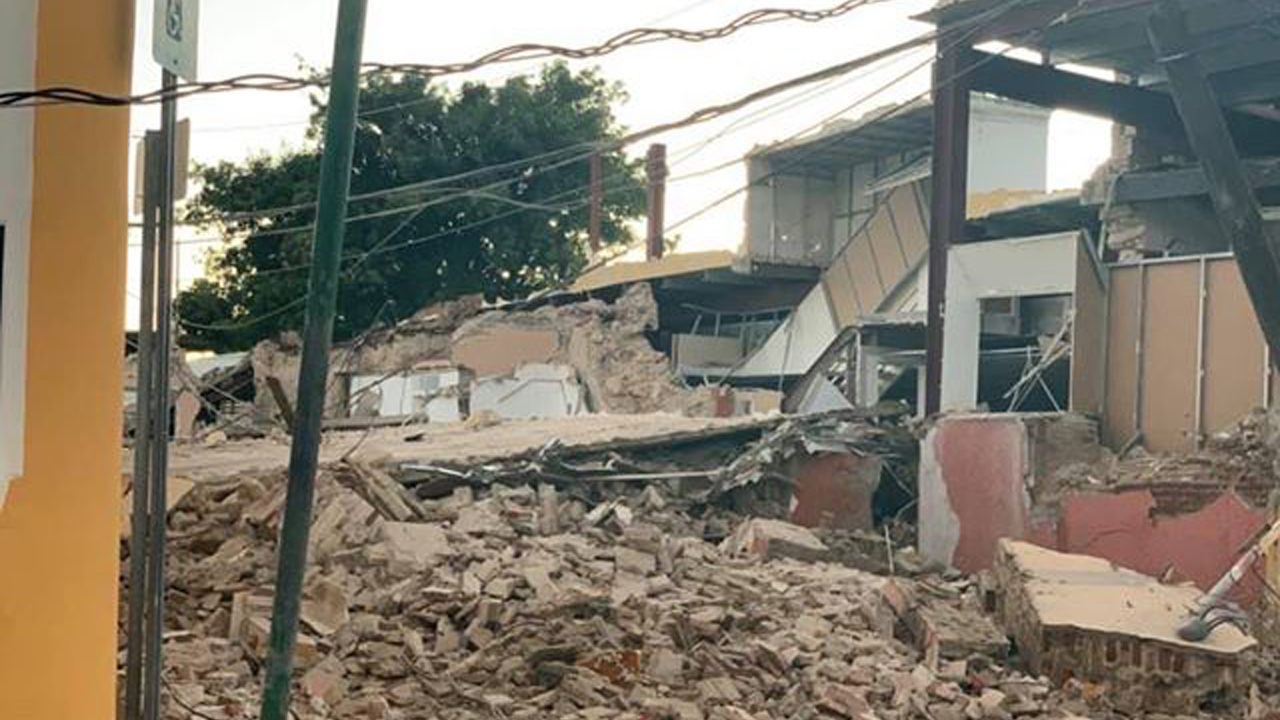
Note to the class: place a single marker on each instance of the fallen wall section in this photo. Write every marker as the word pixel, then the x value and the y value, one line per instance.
pixel 1079 617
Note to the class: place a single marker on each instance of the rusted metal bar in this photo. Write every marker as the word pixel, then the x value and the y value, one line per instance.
pixel 656 170
pixel 950 190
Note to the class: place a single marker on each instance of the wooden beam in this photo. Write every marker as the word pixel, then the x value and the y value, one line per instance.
pixel 1257 254
pixel 282 401
pixel 1125 104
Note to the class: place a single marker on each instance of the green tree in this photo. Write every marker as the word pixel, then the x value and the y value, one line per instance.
pixel 505 232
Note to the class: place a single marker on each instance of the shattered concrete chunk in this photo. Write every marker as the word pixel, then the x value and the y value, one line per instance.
pixel 766 538
pixel 634 561
pixel 415 543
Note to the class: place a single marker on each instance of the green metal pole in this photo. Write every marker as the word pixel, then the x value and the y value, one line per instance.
pixel 326 254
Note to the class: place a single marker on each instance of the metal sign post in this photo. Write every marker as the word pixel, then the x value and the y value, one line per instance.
pixel 174 48
pixel 173 36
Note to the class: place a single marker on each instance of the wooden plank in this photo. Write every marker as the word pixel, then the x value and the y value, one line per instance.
pixel 380 491
pixel 282 401
pixel 865 282
pixel 1088 336
pixel 1121 395
pixel 884 242
pixel 844 305
pixel 1234 352
pixel 1169 370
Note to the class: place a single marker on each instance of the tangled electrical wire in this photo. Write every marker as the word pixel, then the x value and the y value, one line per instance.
pixel 628 38
pixel 57 95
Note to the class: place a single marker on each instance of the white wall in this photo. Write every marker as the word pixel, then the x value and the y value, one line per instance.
pixel 1041 265
pixel 1008 146
pixel 17 70
pixel 788 217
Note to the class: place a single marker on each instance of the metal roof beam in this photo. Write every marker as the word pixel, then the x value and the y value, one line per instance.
pixel 1126 104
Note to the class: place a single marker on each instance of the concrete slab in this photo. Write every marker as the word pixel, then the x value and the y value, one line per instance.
pixel 1080 617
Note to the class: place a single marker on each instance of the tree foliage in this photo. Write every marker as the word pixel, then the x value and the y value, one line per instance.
pixel 504 232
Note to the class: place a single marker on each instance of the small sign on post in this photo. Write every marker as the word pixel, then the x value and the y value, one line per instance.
pixel 173 36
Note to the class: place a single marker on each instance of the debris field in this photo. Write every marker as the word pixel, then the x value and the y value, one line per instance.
pixel 519 595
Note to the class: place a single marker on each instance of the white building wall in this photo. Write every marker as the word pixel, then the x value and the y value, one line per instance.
pixel 1042 265
pixel 1008 146
pixel 17 70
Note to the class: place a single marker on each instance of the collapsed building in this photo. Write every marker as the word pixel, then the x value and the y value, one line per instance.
pixel 1099 439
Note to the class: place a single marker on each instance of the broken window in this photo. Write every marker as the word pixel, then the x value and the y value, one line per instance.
pixel 1025 353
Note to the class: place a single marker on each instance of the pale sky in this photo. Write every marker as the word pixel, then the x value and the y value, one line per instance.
pixel 665 80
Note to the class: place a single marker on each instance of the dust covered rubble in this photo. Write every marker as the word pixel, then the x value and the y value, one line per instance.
pixel 525 603
pixel 606 345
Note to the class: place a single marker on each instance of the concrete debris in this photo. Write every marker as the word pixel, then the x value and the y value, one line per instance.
pixel 424 336
pixel 656 457
pixel 1081 618
pixel 480 608
pixel 1243 459
pixel 774 539
pixel 874 431
pixel 658 576
pixel 604 343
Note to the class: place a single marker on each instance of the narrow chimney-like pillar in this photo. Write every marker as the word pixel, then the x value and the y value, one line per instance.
pixel 596 219
pixel 656 170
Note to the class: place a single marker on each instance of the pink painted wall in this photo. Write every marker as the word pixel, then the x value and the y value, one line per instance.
pixel 835 490
pixel 1198 546
pixel 974 480
pixel 972 493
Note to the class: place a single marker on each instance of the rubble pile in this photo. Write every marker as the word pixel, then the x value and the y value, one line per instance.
pixel 606 344
pixel 528 603
pixel 1242 459
pixel 880 431
pixel 423 336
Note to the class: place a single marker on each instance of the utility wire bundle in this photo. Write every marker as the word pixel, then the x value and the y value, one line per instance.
pixel 57 95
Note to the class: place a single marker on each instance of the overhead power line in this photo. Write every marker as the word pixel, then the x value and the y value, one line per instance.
pixel 628 38
pixel 306 121
pixel 384 244
pixel 699 116
pixel 976 25
pixel 514 53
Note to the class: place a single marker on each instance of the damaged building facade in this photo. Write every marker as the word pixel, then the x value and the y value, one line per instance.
pixel 1064 395
pixel 1164 349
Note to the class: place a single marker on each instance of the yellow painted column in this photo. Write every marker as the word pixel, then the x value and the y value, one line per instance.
pixel 59 526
